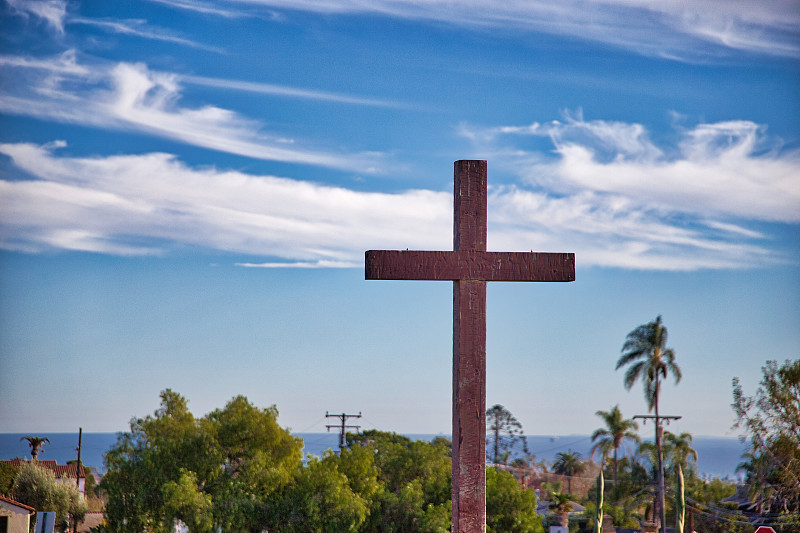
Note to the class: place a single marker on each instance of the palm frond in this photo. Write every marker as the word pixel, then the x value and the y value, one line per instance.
pixel 633 374
pixel 651 390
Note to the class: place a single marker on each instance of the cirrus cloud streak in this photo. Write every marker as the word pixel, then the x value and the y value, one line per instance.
pixel 672 29
pixel 153 203
pixel 130 97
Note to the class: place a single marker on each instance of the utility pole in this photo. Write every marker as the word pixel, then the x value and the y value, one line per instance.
pixel 342 427
pixel 78 474
pixel 78 466
pixel 659 433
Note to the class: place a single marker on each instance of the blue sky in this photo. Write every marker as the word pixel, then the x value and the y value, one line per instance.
pixel 187 189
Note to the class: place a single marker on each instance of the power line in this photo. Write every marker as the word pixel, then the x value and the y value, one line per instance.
pixel 746 514
pixel 342 427
pixel 311 426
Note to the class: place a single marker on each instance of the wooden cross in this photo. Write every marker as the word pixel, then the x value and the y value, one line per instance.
pixel 469 266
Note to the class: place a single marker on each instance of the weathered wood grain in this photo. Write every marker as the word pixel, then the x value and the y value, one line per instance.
pixel 469 265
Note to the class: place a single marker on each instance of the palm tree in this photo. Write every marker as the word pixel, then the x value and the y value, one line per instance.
pixel 562 505
pixel 680 450
pixel 36 444
pixel 568 464
pixel 645 349
pixel 617 429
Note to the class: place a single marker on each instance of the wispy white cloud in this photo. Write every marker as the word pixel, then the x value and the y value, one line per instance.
pixel 140 28
pixel 303 264
pixel 65 63
pixel 52 12
pixel 670 28
pixel 291 92
pixel 616 231
pixel 125 96
pixel 139 203
pixel 146 204
pixel 726 169
pixel 206 8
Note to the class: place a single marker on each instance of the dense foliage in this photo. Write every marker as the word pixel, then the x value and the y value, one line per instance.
pixel 215 471
pixel 610 438
pixel 237 470
pixel 7 474
pixel 771 419
pixel 37 487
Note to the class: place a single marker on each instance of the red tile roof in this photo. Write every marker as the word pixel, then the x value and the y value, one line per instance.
pixel 60 471
pixel 17 504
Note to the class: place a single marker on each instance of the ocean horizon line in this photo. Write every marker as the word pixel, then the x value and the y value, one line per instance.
pixel 717 456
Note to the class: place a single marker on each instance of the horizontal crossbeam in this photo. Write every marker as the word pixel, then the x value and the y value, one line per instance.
pixel 469 265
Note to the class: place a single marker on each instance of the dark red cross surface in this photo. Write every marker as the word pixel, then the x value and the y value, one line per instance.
pixel 469 266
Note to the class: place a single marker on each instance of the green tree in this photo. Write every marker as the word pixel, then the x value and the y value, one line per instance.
pixel 415 479
pixel 568 464
pixel 645 350
pixel 38 487
pixel 710 492
pixel 509 507
pixel 771 419
pixel 184 500
pixel 506 432
pixel 562 505
pixel 218 471
pixel 252 448
pixel 7 474
pixel 157 451
pixel 36 443
pixel 357 463
pixel 626 498
pixel 319 500
pixel 616 431
pixel 678 451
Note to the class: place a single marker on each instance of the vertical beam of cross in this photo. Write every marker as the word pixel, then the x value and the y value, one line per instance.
pixel 469 354
pixel 469 266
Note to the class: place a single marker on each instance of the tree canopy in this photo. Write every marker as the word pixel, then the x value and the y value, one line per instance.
pixel 568 464
pixel 37 486
pixel 506 432
pixel 36 443
pixel 610 437
pixel 771 419
pixel 216 471
pixel 236 470
pixel 645 349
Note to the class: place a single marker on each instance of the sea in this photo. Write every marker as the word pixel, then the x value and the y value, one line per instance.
pixel 718 457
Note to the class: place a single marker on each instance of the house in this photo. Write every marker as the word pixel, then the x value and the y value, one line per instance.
pixel 63 473
pixel 15 517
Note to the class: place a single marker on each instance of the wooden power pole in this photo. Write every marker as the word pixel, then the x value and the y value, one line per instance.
pixel 659 434
pixel 342 427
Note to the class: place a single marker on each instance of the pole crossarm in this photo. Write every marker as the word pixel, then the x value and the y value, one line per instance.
pixel 342 427
pixel 658 418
